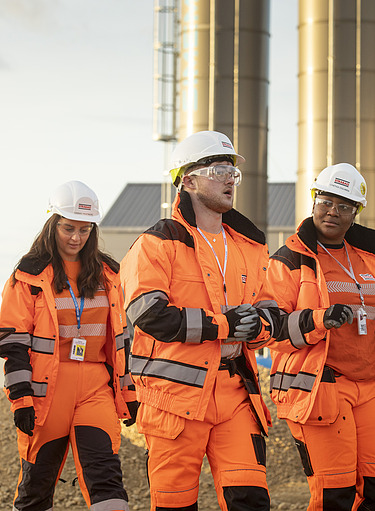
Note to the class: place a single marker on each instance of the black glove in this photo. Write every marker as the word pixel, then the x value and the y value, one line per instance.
pixel 133 408
pixel 336 315
pixel 244 323
pixel 24 419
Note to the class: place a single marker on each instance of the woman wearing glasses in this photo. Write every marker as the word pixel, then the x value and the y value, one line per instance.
pixel 323 382
pixel 66 368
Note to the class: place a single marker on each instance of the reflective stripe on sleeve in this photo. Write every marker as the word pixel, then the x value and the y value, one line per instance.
pixel 193 325
pixel 17 377
pixel 167 370
pixel 17 339
pixel 143 303
pixel 295 333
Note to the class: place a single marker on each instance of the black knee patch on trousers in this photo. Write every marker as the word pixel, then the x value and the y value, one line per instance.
pixel 246 498
pixel 36 489
pixel 338 499
pixel 193 507
pixel 101 467
pixel 305 457
pixel 369 494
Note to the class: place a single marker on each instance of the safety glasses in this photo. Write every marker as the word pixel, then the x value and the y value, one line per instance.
pixel 221 173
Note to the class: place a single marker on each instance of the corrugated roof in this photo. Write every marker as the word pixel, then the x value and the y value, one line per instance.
pixel 138 205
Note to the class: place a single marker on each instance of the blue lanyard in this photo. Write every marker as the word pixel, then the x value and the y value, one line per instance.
pixel 78 309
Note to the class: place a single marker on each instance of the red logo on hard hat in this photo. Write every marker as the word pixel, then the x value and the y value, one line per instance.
pixel 86 207
pixel 342 182
pixel 225 144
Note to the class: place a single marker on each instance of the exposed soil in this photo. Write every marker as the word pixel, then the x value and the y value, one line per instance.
pixel 286 480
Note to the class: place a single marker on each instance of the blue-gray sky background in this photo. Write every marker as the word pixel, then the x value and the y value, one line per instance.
pixel 76 103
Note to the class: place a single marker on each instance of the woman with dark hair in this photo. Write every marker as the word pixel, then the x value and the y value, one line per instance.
pixel 323 371
pixel 66 372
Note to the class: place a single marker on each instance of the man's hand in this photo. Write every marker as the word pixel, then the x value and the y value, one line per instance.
pixel 24 419
pixel 336 315
pixel 244 323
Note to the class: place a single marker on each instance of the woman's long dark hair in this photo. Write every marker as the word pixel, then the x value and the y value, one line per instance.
pixel 44 251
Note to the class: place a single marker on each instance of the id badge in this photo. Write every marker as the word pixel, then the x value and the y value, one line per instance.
pixel 361 317
pixel 77 351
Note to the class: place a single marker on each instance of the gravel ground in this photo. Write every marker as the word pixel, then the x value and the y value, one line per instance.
pixel 286 480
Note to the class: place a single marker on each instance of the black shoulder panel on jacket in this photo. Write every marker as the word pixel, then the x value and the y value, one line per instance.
pixel 167 229
pixel 32 265
pixel 294 260
pixel 244 226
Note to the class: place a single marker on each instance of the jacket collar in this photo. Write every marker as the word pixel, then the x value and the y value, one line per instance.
pixel 357 236
pixel 35 266
pixel 232 218
pixel 32 265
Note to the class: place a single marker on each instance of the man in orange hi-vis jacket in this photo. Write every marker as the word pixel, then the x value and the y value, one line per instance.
pixel 323 382
pixel 198 301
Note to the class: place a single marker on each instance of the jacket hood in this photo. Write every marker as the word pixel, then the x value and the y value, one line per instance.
pixel 357 236
pixel 232 218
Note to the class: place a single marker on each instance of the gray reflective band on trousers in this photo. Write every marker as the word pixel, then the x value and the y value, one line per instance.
pixel 300 381
pixel 175 371
pixel 109 505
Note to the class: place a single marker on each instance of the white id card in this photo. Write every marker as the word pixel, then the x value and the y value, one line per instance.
pixel 361 317
pixel 78 349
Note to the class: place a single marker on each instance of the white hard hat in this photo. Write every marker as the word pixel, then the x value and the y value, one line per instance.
pixel 202 144
pixel 76 201
pixel 344 180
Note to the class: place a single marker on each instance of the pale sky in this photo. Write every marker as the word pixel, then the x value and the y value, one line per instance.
pixel 76 103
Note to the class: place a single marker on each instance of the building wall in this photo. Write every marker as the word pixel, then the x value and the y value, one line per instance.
pixel 116 240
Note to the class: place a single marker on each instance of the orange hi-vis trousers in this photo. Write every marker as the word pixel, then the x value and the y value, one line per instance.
pixel 230 438
pixel 82 414
pixel 339 459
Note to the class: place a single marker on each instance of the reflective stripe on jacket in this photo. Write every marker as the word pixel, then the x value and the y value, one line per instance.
pixel 172 301
pixel 300 353
pixel 32 352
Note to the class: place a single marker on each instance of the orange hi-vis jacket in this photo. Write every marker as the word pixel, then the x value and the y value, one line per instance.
pixel 300 381
pixel 32 352
pixel 172 302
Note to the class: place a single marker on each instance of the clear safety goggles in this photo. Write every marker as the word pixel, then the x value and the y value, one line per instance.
pixel 70 230
pixel 221 173
pixel 326 205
